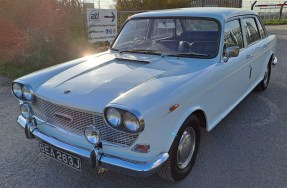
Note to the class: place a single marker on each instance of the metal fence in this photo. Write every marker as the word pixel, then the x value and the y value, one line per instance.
pixel 217 3
pixel 271 11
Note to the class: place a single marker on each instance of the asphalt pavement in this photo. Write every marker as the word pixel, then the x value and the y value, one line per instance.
pixel 247 149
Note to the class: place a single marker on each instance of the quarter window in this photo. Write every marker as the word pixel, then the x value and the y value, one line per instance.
pixel 261 29
pixel 252 33
pixel 233 34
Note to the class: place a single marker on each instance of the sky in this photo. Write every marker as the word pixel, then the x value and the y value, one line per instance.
pixel 105 4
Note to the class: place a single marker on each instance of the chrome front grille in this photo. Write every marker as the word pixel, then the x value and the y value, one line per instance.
pixel 77 120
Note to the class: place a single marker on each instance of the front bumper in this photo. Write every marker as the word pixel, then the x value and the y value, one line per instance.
pixel 133 168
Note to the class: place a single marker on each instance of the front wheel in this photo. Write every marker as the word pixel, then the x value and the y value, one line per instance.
pixel 265 82
pixel 183 151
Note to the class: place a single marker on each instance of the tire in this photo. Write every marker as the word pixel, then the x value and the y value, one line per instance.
pixel 173 170
pixel 265 81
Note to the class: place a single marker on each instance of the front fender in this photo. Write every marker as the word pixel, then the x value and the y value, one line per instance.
pixel 161 133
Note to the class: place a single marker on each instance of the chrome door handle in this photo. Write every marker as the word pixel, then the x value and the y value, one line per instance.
pixel 249 56
pixel 265 46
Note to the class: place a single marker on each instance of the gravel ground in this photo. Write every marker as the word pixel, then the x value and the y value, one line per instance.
pixel 247 149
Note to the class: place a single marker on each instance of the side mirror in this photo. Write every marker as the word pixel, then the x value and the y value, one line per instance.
pixel 232 51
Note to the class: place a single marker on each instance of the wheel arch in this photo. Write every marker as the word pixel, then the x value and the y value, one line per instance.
pixel 198 112
pixel 271 59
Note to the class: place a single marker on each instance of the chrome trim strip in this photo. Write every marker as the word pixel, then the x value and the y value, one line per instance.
pixel 133 168
pixel 64 116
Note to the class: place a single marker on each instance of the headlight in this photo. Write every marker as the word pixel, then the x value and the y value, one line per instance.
pixel 113 117
pixel 131 122
pixel 23 91
pixel 124 118
pixel 26 111
pixel 92 134
pixel 27 93
pixel 17 90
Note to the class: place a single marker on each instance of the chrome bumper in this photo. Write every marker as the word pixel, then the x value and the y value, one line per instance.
pixel 275 61
pixel 133 168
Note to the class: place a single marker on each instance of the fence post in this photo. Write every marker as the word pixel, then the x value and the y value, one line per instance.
pixel 240 3
pixel 281 10
pixel 120 14
pixel 253 4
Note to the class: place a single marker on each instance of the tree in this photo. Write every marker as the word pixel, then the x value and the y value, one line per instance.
pixel 124 5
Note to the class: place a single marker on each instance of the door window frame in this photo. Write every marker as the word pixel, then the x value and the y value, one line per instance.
pixel 240 24
pixel 245 30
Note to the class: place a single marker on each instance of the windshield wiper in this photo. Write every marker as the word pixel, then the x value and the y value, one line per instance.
pixel 146 51
pixel 188 54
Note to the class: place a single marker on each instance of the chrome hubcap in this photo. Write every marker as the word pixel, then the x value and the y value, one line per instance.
pixel 186 148
pixel 266 74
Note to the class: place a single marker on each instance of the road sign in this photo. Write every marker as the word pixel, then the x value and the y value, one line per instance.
pixel 102 24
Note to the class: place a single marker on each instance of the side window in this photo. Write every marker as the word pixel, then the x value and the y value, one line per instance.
pixel 261 29
pixel 178 27
pixel 252 33
pixel 233 34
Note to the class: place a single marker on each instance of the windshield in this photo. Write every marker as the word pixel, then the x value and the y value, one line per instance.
pixel 192 37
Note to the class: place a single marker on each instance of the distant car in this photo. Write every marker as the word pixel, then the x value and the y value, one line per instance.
pixel 139 107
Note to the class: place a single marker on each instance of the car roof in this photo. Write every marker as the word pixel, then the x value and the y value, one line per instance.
pixel 211 12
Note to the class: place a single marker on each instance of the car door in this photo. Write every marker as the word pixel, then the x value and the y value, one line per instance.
pixel 263 56
pixel 234 73
pixel 255 47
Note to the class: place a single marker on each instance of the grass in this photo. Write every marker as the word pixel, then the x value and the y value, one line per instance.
pixel 14 71
pixel 45 56
pixel 275 22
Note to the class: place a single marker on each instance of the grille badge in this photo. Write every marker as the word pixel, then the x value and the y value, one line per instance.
pixel 64 117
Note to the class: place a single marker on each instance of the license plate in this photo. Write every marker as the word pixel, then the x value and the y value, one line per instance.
pixel 60 156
